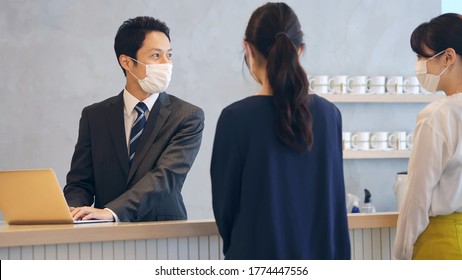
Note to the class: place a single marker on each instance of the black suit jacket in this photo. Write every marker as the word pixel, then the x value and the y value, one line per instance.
pixel 149 190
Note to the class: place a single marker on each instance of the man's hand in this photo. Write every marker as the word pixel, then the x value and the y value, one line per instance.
pixel 90 213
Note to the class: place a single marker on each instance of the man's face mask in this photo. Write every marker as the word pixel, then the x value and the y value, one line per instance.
pixel 157 78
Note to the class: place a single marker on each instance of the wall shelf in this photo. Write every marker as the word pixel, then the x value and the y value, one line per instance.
pixel 381 98
pixel 353 154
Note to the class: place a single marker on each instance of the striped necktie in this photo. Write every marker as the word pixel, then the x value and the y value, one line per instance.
pixel 137 128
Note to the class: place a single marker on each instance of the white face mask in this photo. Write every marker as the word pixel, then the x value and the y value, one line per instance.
pixel 428 81
pixel 157 78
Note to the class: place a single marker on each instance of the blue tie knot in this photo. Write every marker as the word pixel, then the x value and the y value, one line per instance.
pixel 141 108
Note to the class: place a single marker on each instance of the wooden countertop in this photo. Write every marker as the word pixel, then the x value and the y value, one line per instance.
pixel 375 220
pixel 11 236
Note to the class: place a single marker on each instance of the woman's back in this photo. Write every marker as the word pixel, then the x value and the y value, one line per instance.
pixel 280 204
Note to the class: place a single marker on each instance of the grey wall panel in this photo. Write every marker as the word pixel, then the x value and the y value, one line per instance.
pixel 140 249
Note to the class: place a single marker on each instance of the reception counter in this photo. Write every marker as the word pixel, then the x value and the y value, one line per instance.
pixel 371 236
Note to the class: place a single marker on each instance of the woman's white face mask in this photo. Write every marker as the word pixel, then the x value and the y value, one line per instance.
pixel 428 81
pixel 157 78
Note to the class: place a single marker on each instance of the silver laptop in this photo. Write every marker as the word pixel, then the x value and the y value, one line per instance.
pixel 29 197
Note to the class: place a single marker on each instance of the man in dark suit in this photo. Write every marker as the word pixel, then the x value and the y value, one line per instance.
pixel 135 149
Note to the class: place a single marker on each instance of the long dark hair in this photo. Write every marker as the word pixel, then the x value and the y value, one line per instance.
pixel 274 30
pixel 440 33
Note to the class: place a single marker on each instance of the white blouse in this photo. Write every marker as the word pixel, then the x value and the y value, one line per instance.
pixel 434 172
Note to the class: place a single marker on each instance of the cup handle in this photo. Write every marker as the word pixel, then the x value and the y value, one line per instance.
pixel 389 84
pixel 406 85
pixel 310 84
pixel 372 142
pixel 409 140
pixel 348 84
pixel 330 87
pixel 353 143
pixel 368 85
pixel 391 141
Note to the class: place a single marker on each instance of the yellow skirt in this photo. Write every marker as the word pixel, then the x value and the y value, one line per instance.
pixel 441 240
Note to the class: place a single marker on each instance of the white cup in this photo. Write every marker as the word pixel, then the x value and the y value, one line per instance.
pixel 338 84
pixel 409 140
pixel 360 140
pixel 379 140
pixel 411 85
pixel 397 140
pixel 395 84
pixel 376 84
pixel 357 84
pixel 319 84
pixel 346 140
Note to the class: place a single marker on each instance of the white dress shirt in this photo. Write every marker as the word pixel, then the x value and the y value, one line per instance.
pixel 434 172
pixel 130 115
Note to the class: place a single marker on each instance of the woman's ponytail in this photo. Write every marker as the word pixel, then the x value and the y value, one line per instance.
pixel 289 84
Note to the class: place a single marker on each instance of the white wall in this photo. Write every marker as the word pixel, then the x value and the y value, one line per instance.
pixel 451 6
pixel 57 57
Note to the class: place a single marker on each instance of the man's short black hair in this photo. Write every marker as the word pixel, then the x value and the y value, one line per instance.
pixel 132 32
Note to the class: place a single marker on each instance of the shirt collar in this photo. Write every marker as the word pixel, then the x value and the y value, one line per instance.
pixel 130 101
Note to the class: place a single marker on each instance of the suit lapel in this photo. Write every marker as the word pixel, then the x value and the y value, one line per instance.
pixel 115 119
pixel 157 118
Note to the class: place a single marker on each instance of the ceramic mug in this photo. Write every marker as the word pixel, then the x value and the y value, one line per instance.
pixel 411 85
pixel 379 140
pixel 397 140
pixel 346 140
pixel 360 140
pixel 357 84
pixel 409 140
pixel 338 84
pixel 395 84
pixel 376 84
pixel 319 84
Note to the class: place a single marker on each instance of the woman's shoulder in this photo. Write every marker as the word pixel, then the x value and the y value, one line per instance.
pixel 249 105
pixel 250 101
pixel 244 111
pixel 252 105
pixel 321 101
pixel 323 106
pixel 439 108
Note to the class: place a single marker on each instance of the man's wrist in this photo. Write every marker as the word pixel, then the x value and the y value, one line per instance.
pixel 116 219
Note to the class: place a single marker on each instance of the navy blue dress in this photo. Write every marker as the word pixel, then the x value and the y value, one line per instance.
pixel 270 202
